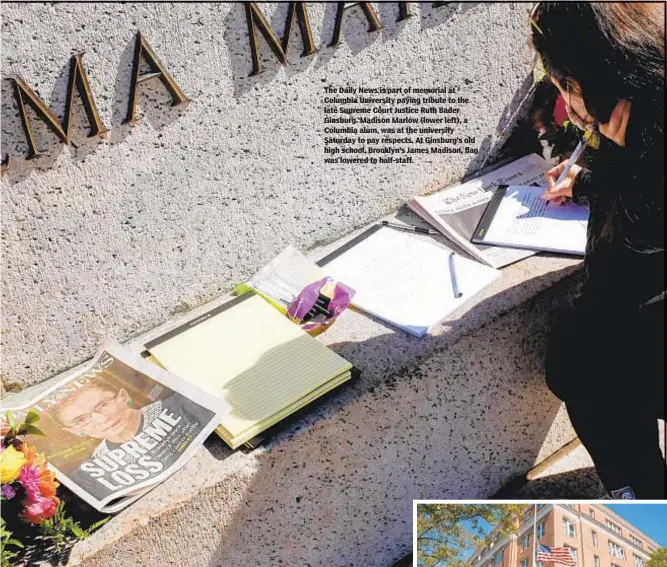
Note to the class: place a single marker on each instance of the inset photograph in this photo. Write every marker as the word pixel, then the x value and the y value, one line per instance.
pixel 540 534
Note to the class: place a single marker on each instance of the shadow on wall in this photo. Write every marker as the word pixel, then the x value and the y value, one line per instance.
pixel 513 136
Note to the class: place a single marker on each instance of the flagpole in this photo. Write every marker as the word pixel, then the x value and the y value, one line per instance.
pixel 535 536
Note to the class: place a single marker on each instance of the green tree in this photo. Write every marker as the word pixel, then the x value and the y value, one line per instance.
pixel 446 533
pixel 658 559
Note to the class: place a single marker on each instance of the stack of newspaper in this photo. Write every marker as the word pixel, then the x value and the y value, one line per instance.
pixel 456 210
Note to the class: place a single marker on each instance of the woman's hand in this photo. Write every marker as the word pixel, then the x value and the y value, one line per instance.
pixel 559 193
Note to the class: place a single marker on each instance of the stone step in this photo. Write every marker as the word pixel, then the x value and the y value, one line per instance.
pixel 453 415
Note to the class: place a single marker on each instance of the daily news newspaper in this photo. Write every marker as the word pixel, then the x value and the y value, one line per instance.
pixel 120 427
pixel 457 210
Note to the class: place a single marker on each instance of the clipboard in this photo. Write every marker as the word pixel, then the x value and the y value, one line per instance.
pixel 405 279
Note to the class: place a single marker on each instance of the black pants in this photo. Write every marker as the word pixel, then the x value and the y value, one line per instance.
pixel 608 366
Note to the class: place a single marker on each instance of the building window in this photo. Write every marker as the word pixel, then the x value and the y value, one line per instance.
pixel 524 563
pixel 616 550
pixel 498 559
pixel 540 564
pixel 594 535
pixel 525 542
pixel 573 553
pixel 596 561
pixel 614 565
pixel 540 530
pixel 591 512
pixel 568 527
pixel 638 561
pixel 635 541
pixel 613 527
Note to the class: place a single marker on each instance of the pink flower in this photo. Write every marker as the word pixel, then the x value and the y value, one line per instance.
pixel 41 510
pixel 29 479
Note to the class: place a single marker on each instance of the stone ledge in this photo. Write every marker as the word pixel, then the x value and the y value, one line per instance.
pixel 452 415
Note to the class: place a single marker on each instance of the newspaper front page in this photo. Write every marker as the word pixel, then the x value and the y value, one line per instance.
pixel 457 210
pixel 120 427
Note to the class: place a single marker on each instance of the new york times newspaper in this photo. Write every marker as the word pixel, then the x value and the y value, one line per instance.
pixel 456 211
pixel 120 427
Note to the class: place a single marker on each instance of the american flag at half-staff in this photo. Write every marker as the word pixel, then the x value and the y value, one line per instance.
pixel 555 555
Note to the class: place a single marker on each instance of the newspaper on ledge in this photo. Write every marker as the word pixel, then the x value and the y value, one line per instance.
pixel 120 427
pixel 456 210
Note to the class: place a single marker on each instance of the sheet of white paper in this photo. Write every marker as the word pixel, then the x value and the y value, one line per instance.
pixel 406 280
pixel 524 219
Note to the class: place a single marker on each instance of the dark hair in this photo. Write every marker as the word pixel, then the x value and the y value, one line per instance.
pixel 614 50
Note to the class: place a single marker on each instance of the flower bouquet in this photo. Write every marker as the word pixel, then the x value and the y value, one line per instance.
pixel 30 507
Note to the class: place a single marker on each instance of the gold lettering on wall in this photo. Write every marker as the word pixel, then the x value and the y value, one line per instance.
pixel 404 11
pixel 374 23
pixel 78 79
pixel 255 18
pixel 143 52
pixel 25 95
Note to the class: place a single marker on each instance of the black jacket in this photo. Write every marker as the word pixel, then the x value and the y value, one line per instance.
pixel 625 189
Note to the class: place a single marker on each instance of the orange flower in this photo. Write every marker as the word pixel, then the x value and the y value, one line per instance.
pixel 47 483
pixel 30 453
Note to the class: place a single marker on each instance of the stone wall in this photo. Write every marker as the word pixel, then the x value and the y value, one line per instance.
pixel 119 234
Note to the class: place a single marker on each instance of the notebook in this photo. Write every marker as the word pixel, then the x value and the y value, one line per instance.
pixel 406 279
pixel 263 365
pixel 517 216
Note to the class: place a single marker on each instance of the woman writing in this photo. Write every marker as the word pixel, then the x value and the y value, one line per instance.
pixel 606 358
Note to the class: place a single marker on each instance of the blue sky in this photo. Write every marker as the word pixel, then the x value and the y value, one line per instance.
pixel 649 518
pixel 486 528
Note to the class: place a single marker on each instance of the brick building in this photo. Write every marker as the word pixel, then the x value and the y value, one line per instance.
pixel 596 536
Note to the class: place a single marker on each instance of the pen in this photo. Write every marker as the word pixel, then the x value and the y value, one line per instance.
pixel 572 159
pixel 452 272
pixel 418 229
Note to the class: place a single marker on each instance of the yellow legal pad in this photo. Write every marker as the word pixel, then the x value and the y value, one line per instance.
pixel 263 365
